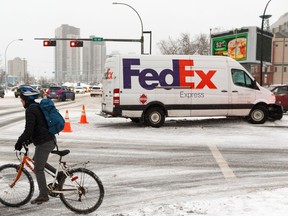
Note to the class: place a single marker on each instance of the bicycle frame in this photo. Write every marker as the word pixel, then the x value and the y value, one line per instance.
pixel 26 160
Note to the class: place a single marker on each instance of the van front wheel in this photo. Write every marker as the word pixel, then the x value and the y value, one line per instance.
pixel 258 115
pixel 154 117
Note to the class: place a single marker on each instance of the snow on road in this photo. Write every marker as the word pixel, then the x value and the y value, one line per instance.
pixel 249 202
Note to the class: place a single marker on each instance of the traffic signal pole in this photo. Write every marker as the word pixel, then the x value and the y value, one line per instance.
pixel 94 39
pixel 89 39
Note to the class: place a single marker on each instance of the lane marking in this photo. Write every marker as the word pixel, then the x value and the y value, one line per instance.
pixel 223 165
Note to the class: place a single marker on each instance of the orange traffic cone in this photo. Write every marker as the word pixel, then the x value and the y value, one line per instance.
pixel 83 119
pixel 67 126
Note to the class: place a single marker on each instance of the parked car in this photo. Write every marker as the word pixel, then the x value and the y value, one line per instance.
pixel 79 90
pixel 60 93
pixel 281 93
pixel 96 91
pixel 2 92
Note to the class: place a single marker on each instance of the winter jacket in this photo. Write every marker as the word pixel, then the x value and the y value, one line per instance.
pixel 36 129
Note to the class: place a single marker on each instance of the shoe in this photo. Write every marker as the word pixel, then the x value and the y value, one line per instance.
pixel 40 200
pixel 60 176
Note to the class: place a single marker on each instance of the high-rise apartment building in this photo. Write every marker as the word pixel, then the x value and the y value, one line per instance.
pixel 94 56
pixel 67 59
pixel 77 64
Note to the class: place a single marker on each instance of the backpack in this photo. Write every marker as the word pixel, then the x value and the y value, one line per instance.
pixel 54 119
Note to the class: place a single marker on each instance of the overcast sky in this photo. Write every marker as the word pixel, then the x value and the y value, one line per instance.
pixel 29 19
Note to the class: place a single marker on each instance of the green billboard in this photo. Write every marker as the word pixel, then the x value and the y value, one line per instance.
pixel 234 46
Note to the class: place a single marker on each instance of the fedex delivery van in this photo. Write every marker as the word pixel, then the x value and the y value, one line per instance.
pixel 151 88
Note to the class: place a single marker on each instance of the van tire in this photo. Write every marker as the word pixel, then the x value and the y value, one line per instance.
pixel 154 117
pixel 258 115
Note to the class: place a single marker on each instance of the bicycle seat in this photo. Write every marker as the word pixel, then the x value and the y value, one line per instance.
pixel 61 153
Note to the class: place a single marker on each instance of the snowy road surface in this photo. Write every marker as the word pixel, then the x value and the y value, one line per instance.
pixel 214 166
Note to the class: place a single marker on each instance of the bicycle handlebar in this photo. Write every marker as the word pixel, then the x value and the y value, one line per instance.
pixel 18 153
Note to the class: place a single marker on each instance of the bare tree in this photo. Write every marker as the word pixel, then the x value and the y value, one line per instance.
pixel 185 45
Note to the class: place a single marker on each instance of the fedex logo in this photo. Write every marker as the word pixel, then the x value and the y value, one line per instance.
pixel 181 76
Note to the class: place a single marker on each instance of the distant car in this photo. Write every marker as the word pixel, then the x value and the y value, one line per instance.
pixel 60 93
pixel 79 90
pixel 281 93
pixel 39 88
pixel 96 91
pixel 17 90
pixel 2 92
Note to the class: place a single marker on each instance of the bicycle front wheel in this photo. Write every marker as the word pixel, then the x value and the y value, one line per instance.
pixel 81 192
pixel 21 192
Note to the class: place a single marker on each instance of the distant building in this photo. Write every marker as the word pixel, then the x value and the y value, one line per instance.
pixel 275 50
pixel 244 45
pixel 94 56
pixel 77 64
pixel 67 59
pixel 280 50
pixel 17 71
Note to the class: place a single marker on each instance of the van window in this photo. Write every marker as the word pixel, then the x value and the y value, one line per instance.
pixel 240 78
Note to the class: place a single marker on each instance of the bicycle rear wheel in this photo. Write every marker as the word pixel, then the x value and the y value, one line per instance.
pixel 21 192
pixel 83 192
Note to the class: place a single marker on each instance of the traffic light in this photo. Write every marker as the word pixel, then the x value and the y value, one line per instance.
pixel 76 43
pixel 49 43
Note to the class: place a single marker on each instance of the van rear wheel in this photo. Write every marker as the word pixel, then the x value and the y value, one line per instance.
pixel 154 117
pixel 258 115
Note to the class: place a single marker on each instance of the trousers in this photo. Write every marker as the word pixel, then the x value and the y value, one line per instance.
pixel 40 159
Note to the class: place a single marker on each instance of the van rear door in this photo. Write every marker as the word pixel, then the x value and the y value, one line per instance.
pixel 110 82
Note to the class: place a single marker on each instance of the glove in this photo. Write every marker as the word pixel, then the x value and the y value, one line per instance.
pixel 18 146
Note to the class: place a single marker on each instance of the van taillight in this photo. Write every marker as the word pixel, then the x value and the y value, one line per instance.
pixel 116 97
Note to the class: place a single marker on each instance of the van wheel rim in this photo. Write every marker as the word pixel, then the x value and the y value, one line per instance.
pixel 155 118
pixel 258 115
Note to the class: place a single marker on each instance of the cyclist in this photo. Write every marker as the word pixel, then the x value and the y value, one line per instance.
pixel 36 132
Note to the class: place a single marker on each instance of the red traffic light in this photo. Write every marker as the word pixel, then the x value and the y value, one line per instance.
pixel 49 43
pixel 76 43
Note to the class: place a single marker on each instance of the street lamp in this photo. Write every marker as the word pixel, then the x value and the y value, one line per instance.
pixel 142 37
pixel 6 74
pixel 263 17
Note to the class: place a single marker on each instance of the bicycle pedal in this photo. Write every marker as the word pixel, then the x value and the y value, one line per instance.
pixel 51 188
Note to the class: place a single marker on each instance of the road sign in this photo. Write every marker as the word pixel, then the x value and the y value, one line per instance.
pixel 97 39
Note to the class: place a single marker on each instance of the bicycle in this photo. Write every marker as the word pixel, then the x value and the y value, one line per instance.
pixel 79 189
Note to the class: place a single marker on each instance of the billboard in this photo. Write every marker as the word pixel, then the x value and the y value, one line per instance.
pixel 243 45
pixel 234 46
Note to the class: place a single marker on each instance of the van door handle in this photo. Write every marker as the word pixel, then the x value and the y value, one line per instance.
pixel 235 91
pixel 224 91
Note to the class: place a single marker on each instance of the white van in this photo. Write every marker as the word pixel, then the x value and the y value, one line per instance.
pixel 150 88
